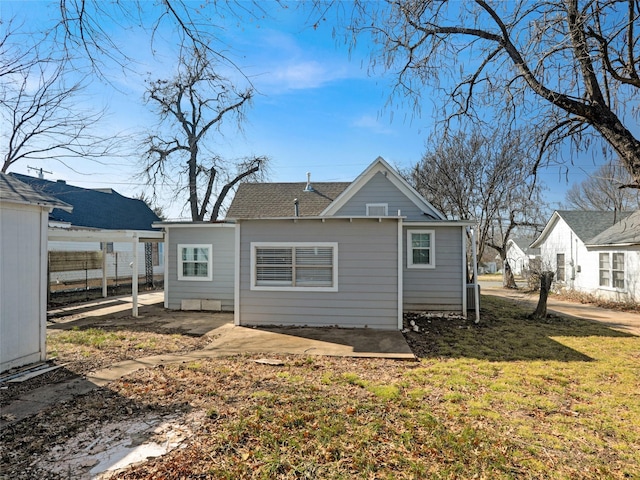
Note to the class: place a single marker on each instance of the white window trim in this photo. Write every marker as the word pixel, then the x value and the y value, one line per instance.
pixel 410 263
pixel 564 267
pixel 377 205
pixel 209 276
pixel 285 288
pixel 611 288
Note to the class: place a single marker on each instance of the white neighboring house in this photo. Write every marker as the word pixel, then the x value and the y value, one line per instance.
pixel 94 212
pixel 520 254
pixel 24 216
pixel 594 252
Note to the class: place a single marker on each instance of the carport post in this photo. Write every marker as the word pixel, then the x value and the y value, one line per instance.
pixel 104 269
pixel 134 276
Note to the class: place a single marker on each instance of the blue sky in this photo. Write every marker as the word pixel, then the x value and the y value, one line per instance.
pixel 317 109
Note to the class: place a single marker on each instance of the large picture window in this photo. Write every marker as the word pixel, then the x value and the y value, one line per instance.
pixel 421 249
pixel 194 262
pixel 294 266
pixel 611 270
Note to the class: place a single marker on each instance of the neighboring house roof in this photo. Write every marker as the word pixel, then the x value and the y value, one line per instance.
pixel 14 191
pixel 380 165
pixel 104 209
pixel 262 200
pixel 624 232
pixel 585 224
pixel 524 244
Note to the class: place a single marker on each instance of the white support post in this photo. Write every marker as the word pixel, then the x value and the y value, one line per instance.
pixel 134 276
pixel 476 293
pixel 104 269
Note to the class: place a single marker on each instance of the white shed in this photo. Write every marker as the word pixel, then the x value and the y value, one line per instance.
pixel 24 219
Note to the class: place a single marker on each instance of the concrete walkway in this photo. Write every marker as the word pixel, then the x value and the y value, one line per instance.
pixel 622 321
pixel 229 340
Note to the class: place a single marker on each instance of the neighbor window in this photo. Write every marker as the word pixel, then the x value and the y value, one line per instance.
pixel 420 249
pixel 194 262
pixel 377 209
pixel 611 270
pixel 299 266
pixel 106 247
pixel 560 268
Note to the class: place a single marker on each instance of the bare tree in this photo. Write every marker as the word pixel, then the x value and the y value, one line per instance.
pixel 39 106
pixel 192 107
pixel 484 178
pixel 603 191
pixel 570 67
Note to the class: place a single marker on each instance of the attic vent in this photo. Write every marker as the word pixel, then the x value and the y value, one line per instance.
pixel 308 187
pixel 377 209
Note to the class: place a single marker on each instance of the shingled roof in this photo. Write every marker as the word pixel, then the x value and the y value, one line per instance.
pixel 263 200
pixel 105 209
pixel 14 191
pixel 587 225
pixel 626 231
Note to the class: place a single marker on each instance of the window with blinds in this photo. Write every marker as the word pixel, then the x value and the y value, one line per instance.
pixel 294 265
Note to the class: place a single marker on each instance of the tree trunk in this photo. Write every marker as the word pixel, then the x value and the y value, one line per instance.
pixel 545 285
pixel 508 280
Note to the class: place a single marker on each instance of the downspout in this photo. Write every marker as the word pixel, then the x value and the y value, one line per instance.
pixel 400 275
pixel 476 292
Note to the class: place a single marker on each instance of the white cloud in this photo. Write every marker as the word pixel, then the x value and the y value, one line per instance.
pixel 369 122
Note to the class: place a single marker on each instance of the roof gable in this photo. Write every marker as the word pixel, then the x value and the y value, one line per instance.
pixel 524 244
pixel 381 166
pixel 105 209
pixel 626 231
pixel 13 190
pixel 263 200
pixel 585 224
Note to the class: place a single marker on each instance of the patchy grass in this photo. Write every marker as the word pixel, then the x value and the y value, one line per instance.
pixel 511 398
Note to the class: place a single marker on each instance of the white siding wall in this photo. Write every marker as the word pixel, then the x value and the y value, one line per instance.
pixel 582 265
pixel 367 293
pixel 222 283
pixel 439 288
pixel 518 260
pixel 22 279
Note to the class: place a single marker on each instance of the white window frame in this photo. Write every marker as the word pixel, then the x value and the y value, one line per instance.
pixel 562 267
pixel 378 205
pixel 180 262
pixel 610 270
pixel 294 288
pixel 432 248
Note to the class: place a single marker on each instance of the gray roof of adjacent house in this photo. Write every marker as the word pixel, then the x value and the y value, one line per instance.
pixel 264 200
pixel 105 208
pixel 524 244
pixel 626 231
pixel 14 191
pixel 587 225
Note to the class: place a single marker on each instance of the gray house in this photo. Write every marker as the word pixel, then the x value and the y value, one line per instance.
pixel 321 254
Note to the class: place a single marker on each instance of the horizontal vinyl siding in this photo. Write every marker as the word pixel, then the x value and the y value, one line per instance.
pixel 380 190
pixel 438 288
pixel 367 275
pixel 221 285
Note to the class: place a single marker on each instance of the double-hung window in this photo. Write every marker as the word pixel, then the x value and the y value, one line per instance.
pixel 560 268
pixel 421 249
pixel 194 262
pixel 294 266
pixel 611 270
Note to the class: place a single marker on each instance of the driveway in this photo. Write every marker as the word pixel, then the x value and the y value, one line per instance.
pixel 623 321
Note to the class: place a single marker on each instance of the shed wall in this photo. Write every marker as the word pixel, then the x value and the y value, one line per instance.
pixel 22 280
pixel 367 275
